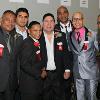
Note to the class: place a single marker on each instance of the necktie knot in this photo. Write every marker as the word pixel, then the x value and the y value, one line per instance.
pixel 66 29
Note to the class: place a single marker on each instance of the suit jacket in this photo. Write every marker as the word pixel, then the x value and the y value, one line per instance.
pixel 85 65
pixel 61 57
pixel 31 64
pixel 8 62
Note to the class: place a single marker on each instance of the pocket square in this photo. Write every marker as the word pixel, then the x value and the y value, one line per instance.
pixel 60 46
pixel 38 55
pixel 1 50
pixel 85 46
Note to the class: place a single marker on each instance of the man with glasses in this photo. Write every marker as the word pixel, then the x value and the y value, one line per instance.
pixel 83 43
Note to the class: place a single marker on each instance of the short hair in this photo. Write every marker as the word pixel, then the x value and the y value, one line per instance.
pixel 48 14
pixel 63 8
pixel 82 16
pixel 22 10
pixel 10 12
pixel 98 22
pixel 33 23
pixel 99 15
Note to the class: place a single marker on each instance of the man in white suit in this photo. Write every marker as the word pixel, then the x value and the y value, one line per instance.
pixel 83 43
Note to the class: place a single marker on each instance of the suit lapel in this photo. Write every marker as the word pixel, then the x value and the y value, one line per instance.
pixel 43 47
pixel 74 43
pixel 3 38
pixel 12 42
pixel 55 43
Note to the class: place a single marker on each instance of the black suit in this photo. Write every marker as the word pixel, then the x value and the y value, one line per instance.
pixel 53 84
pixel 30 83
pixel 67 83
pixel 8 68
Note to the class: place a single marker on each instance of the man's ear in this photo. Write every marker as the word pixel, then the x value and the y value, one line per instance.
pixel 28 31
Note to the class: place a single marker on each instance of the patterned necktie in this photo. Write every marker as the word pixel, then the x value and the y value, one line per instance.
pixel 78 37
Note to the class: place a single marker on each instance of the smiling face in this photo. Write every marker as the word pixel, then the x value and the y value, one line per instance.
pixel 48 24
pixel 62 14
pixel 35 31
pixel 8 21
pixel 77 20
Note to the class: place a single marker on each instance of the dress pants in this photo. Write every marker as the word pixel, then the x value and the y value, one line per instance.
pixel 67 89
pixel 30 96
pixel 86 89
pixel 52 88
pixel 7 94
pixel 98 91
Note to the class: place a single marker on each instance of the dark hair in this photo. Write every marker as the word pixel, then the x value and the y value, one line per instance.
pixel 9 11
pixel 99 15
pixel 48 14
pixel 33 23
pixel 22 10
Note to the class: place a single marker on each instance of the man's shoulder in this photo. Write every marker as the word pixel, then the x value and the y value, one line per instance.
pixel 57 28
pixel 15 34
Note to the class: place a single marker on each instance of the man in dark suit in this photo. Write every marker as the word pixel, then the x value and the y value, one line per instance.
pixel 9 46
pixel 22 18
pixel 65 25
pixel 30 83
pixel 55 55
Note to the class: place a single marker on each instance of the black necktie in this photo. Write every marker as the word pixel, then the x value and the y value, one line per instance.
pixel 7 41
pixel 66 30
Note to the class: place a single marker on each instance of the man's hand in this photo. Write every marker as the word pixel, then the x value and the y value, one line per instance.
pixel 43 74
pixel 66 75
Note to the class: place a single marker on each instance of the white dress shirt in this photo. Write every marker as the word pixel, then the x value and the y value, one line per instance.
pixel 50 52
pixel 24 33
pixel 68 25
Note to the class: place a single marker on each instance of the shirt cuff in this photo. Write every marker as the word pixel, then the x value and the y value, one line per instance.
pixel 67 70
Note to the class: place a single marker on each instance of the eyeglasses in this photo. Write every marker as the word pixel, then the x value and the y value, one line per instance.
pixel 77 19
pixel 98 22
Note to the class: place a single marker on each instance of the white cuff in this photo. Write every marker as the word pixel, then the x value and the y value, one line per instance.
pixel 67 70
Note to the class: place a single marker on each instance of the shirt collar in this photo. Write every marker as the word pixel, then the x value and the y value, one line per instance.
pixel 46 34
pixel 17 29
pixel 35 40
pixel 63 25
pixel 81 30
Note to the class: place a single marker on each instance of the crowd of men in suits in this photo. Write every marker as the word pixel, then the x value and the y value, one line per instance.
pixel 45 61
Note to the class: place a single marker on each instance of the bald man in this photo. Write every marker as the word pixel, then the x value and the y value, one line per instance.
pixel 83 43
pixel 64 25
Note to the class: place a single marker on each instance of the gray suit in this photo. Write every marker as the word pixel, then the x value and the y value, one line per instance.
pixel 85 68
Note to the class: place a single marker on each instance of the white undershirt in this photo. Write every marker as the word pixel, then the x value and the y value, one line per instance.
pixel 50 52
pixel 24 33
